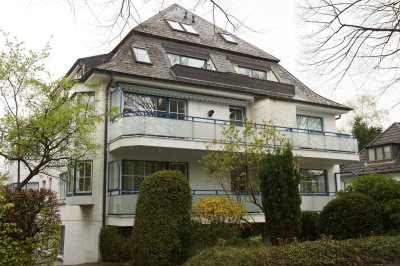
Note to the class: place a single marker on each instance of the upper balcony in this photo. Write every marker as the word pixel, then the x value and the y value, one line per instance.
pixel 149 129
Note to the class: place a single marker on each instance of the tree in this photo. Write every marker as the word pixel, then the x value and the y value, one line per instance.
pixel 354 38
pixel 280 195
pixel 35 219
pixel 234 160
pixel 161 233
pixel 385 190
pixel 42 126
pixel 364 133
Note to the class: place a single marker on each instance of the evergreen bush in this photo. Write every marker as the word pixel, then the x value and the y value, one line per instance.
pixel 309 220
pixel 114 247
pixel 351 215
pixel 161 234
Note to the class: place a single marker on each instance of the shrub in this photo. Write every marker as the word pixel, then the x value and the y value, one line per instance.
pixel 370 250
pixel 309 221
pixel 35 215
pixel 161 235
pixel 217 209
pixel 350 216
pixel 114 247
pixel 279 185
pixel 385 191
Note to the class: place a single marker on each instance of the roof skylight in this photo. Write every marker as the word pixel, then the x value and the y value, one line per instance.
pixel 228 38
pixel 181 26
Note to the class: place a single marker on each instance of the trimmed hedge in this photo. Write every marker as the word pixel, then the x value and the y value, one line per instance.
pixel 350 215
pixel 161 234
pixel 322 252
pixel 114 247
pixel 309 220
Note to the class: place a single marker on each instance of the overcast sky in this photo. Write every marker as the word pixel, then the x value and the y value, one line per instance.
pixel 76 34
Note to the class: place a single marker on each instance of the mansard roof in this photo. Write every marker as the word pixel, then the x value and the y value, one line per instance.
pixel 158 38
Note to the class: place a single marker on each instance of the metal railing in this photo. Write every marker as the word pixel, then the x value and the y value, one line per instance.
pixel 159 124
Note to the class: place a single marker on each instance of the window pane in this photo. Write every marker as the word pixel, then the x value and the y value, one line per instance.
pixel 387 152
pixel 193 62
pixel 162 104
pixel 259 74
pixel 175 25
pixel 173 59
pixel 182 107
pixel 141 55
pixel 189 28
pixel 84 176
pixel 228 38
pixel 371 154
pixel 314 123
pixel 379 153
pixel 138 168
pixel 313 181
pixel 181 167
pixel 244 71
pixel 113 175
pixel 173 106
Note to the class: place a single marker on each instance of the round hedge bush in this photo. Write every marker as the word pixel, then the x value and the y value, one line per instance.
pixel 350 215
pixel 161 233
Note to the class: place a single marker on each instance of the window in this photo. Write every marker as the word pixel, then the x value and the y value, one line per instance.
pixel 189 28
pixel 113 175
pixel 380 153
pixel 313 181
pixel 236 115
pixel 62 186
pixel 253 73
pixel 84 177
pixel 141 55
pixel 88 98
pixel 181 26
pixel 61 242
pixel 189 61
pixel 134 172
pixel 70 182
pixel 228 37
pixel 136 104
pixel 309 123
pixel 177 108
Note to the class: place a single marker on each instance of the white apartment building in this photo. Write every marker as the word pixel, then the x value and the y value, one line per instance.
pixel 175 79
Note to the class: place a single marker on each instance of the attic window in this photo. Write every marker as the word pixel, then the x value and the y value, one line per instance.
pixel 228 38
pixel 181 26
pixel 80 72
pixel 141 55
pixel 380 153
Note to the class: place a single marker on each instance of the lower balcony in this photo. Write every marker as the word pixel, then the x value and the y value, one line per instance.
pixel 191 132
pixel 124 202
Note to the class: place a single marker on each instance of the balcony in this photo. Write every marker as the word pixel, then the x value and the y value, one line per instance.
pixel 124 202
pixel 203 129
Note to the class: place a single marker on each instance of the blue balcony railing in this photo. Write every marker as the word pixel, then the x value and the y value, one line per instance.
pixel 143 123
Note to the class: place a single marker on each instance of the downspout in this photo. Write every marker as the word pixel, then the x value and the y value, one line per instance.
pixel 105 158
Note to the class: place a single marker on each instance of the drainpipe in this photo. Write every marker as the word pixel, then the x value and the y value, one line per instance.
pixel 105 151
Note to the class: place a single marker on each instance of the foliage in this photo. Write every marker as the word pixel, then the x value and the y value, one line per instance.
pixel 280 195
pixel 309 220
pixel 161 234
pixel 11 251
pixel 114 246
pixel 364 133
pixel 385 191
pixel 235 159
pixel 351 215
pixel 370 250
pixel 35 219
pixel 217 209
pixel 40 120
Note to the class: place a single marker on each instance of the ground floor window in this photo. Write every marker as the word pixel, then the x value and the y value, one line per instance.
pixel 61 243
pixel 313 181
pixel 133 172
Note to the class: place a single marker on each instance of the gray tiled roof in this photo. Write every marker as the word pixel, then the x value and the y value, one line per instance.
pixel 155 33
pixel 390 136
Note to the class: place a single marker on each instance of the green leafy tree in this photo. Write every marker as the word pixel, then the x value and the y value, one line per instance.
pixel 280 195
pixel 385 190
pixel 234 160
pixel 42 127
pixel 364 133
pixel 161 233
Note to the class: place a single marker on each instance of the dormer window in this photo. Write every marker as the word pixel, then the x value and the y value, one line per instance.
pixel 80 72
pixel 181 26
pixel 253 73
pixel 190 61
pixel 379 153
pixel 141 55
pixel 228 38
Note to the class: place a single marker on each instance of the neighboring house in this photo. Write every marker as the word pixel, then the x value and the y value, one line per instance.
pixel 175 79
pixel 381 156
